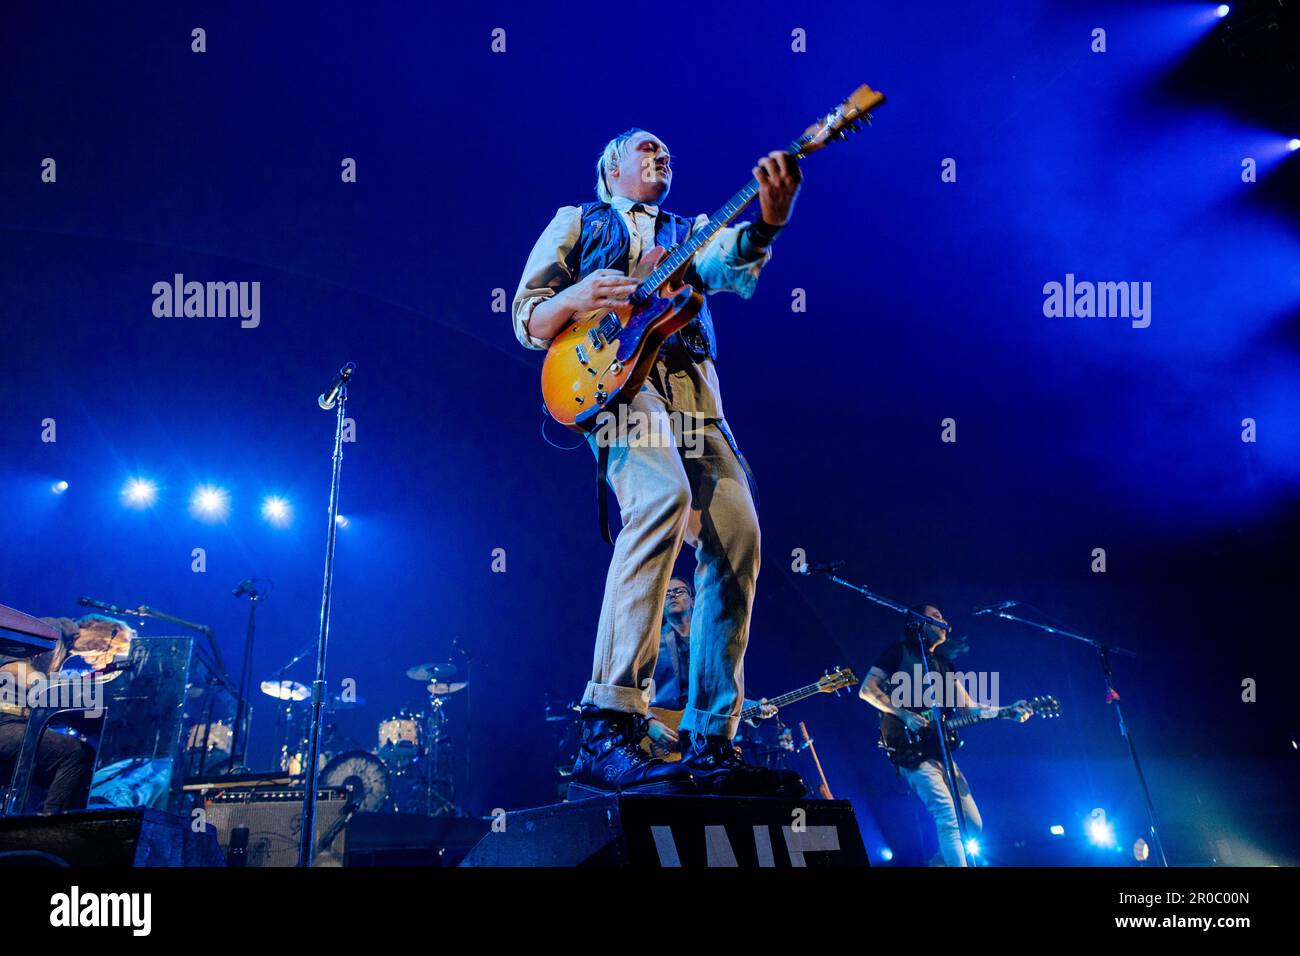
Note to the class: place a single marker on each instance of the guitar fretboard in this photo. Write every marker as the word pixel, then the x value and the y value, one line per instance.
pixel 685 250
pixel 749 713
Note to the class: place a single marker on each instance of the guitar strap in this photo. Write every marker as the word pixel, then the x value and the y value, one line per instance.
pixel 602 491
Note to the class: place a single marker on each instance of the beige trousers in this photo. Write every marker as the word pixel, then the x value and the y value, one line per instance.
pixel 695 490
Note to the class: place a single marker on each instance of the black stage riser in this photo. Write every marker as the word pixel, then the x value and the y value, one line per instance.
pixel 661 831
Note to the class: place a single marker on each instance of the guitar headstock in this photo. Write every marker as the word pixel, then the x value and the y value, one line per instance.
pixel 846 118
pixel 1047 706
pixel 836 680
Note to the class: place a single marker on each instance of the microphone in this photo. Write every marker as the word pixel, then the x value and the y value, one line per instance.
pixel 994 608
pixel 826 567
pixel 330 397
pixel 245 587
pixel 104 606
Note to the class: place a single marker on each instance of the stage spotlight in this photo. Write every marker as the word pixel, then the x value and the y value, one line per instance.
pixel 1100 832
pixel 972 847
pixel 1292 145
pixel 276 511
pixel 1222 10
pixel 1140 850
pixel 59 487
pixel 209 503
pixel 341 521
pixel 886 854
pixel 139 493
pixel 1057 830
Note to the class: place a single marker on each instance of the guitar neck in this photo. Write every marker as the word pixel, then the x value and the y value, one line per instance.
pixel 684 251
pixel 749 713
pixel 968 720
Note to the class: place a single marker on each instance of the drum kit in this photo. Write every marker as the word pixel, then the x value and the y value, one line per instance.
pixel 407 771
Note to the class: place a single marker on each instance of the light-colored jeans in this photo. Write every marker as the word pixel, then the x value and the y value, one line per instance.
pixel 928 782
pixel 667 497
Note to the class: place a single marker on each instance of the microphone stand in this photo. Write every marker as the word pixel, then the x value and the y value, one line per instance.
pixel 306 843
pixel 240 742
pixel 936 712
pixel 1104 653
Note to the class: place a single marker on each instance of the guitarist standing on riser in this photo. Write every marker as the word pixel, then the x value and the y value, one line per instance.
pixel 927 778
pixel 580 264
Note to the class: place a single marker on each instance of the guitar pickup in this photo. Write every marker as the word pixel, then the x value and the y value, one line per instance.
pixel 610 327
pixel 594 335
pixel 583 357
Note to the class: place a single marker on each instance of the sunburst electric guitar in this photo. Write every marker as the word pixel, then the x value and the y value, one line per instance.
pixel 602 358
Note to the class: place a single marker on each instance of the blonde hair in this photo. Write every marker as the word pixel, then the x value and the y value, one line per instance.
pixel 609 159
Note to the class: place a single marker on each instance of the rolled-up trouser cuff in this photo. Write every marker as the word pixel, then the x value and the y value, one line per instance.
pixel 710 725
pixel 628 700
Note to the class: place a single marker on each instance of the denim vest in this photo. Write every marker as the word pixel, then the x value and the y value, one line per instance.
pixel 604 244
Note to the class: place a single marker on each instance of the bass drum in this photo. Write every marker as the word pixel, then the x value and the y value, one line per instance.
pixel 362 773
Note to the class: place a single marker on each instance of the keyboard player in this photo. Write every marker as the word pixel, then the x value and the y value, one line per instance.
pixel 64 763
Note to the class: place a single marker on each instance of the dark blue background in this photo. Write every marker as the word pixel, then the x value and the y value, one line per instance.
pixel 924 302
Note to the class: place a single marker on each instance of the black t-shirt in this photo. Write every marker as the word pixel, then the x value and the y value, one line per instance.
pixel 902 657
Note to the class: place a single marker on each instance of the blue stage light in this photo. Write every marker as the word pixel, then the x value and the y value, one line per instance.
pixel 1292 145
pixel 1222 10
pixel 1057 830
pixel 59 487
pixel 276 511
pixel 972 847
pixel 139 493
pixel 341 521
pixel 209 503
pixel 886 854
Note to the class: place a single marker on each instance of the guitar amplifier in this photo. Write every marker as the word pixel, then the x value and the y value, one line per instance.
pixel 260 828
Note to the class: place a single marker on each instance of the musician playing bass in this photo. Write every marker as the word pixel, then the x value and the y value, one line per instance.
pixel 924 771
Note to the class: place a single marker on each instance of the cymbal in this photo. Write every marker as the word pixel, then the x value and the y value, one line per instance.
pixel 285 690
pixel 435 671
pixel 439 688
pixel 336 702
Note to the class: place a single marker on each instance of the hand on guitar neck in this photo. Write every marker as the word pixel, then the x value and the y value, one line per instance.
pixel 661 733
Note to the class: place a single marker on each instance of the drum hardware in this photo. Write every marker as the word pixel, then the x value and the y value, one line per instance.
pixel 240 743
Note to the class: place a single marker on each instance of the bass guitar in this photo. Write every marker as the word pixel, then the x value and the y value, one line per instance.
pixel 830 683
pixel 908 748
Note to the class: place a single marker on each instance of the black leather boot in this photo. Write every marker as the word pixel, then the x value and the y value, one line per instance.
pixel 719 769
pixel 609 760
